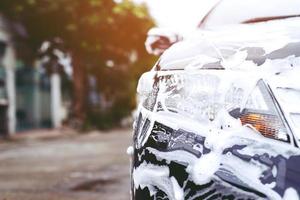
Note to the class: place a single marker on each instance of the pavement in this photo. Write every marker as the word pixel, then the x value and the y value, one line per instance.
pixel 65 165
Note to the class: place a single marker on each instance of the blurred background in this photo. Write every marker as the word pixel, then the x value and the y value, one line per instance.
pixel 68 77
pixel 72 62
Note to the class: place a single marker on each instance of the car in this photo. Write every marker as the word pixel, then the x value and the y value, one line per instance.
pixel 219 115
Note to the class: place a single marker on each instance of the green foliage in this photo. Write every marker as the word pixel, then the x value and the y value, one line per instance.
pixel 94 31
pixel 91 27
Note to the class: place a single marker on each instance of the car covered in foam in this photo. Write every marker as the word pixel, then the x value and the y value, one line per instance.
pixel 219 116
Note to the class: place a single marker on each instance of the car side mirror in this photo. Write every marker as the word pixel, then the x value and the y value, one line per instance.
pixel 160 39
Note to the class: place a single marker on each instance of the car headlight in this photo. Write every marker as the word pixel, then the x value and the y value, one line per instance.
pixel 262 113
pixel 201 96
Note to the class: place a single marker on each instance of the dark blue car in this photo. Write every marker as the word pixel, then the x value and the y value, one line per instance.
pixel 219 116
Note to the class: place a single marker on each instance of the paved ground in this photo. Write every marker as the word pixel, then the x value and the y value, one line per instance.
pixel 53 165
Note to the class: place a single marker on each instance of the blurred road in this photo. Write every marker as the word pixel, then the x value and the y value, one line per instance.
pixel 63 165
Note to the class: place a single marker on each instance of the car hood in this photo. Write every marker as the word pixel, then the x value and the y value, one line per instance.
pixel 236 46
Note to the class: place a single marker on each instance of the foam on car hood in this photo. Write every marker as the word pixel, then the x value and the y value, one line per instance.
pixel 249 45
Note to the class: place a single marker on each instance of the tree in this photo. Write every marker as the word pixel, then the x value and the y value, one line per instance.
pixel 97 33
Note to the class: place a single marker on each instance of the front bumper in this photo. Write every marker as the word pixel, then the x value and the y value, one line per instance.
pixel 170 163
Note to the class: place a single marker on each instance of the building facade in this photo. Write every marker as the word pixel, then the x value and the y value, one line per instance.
pixel 29 97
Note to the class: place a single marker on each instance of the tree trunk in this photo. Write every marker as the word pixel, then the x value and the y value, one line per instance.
pixel 79 90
